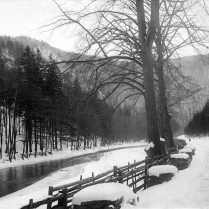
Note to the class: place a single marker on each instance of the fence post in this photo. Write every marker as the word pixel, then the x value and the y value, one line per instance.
pixel 120 176
pixel 31 204
pixel 145 174
pixel 169 156
pixel 135 173
pixel 63 201
pixel 166 160
pixel 128 172
pixel 50 191
pixel 93 176
pixel 80 180
pixel 115 171
pixel 49 204
pixel 64 198
pixel 132 176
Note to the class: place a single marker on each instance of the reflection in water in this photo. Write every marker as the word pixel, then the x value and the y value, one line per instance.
pixel 15 178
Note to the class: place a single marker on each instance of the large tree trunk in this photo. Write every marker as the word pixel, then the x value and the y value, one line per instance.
pixel 153 134
pixel 40 135
pixel 30 131
pixel 55 134
pixel 166 126
pixel 167 131
pixel 146 40
pixel 35 136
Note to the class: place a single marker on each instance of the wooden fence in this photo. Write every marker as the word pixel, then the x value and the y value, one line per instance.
pixel 134 175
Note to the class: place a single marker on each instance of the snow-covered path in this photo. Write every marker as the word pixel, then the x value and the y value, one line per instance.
pixel 188 189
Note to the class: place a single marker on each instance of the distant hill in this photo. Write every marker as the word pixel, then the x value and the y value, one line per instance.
pixel 195 67
pixel 12 47
pixel 44 47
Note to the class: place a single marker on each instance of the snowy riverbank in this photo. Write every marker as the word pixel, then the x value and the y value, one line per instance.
pixel 39 190
pixel 65 153
pixel 188 189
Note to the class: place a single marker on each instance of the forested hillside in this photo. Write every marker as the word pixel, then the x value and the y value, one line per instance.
pixel 196 68
pixel 46 107
pixel 199 123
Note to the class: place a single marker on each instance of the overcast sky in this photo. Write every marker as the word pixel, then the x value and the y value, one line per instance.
pixel 25 17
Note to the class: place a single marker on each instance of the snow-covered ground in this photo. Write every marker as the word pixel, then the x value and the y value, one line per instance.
pixel 39 190
pixel 65 153
pixel 188 189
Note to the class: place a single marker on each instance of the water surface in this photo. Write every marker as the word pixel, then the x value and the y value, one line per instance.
pixel 15 178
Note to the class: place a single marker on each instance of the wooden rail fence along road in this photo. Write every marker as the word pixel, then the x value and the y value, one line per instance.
pixel 134 175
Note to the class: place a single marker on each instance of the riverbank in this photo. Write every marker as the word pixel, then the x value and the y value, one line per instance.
pixel 188 189
pixel 62 154
pixel 39 190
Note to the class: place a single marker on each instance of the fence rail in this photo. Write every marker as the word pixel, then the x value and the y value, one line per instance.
pixel 134 175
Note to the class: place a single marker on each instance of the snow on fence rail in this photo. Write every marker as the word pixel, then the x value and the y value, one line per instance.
pixel 134 175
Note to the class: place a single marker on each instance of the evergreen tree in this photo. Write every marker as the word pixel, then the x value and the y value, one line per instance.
pixel 30 92
pixel 199 124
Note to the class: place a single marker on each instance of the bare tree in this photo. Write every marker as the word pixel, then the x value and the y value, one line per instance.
pixel 178 28
pixel 144 34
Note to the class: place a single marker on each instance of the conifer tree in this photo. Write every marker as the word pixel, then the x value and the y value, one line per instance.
pixel 30 93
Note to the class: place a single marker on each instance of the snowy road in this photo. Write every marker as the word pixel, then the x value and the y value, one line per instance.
pixel 188 189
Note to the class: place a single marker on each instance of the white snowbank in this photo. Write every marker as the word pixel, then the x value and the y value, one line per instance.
pixel 162 169
pixel 187 190
pixel 150 145
pixel 190 146
pixel 182 137
pixel 180 155
pixel 190 142
pixel 185 150
pixel 106 191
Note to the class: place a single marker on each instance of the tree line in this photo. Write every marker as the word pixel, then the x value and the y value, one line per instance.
pixel 199 123
pixel 144 36
pixel 48 108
